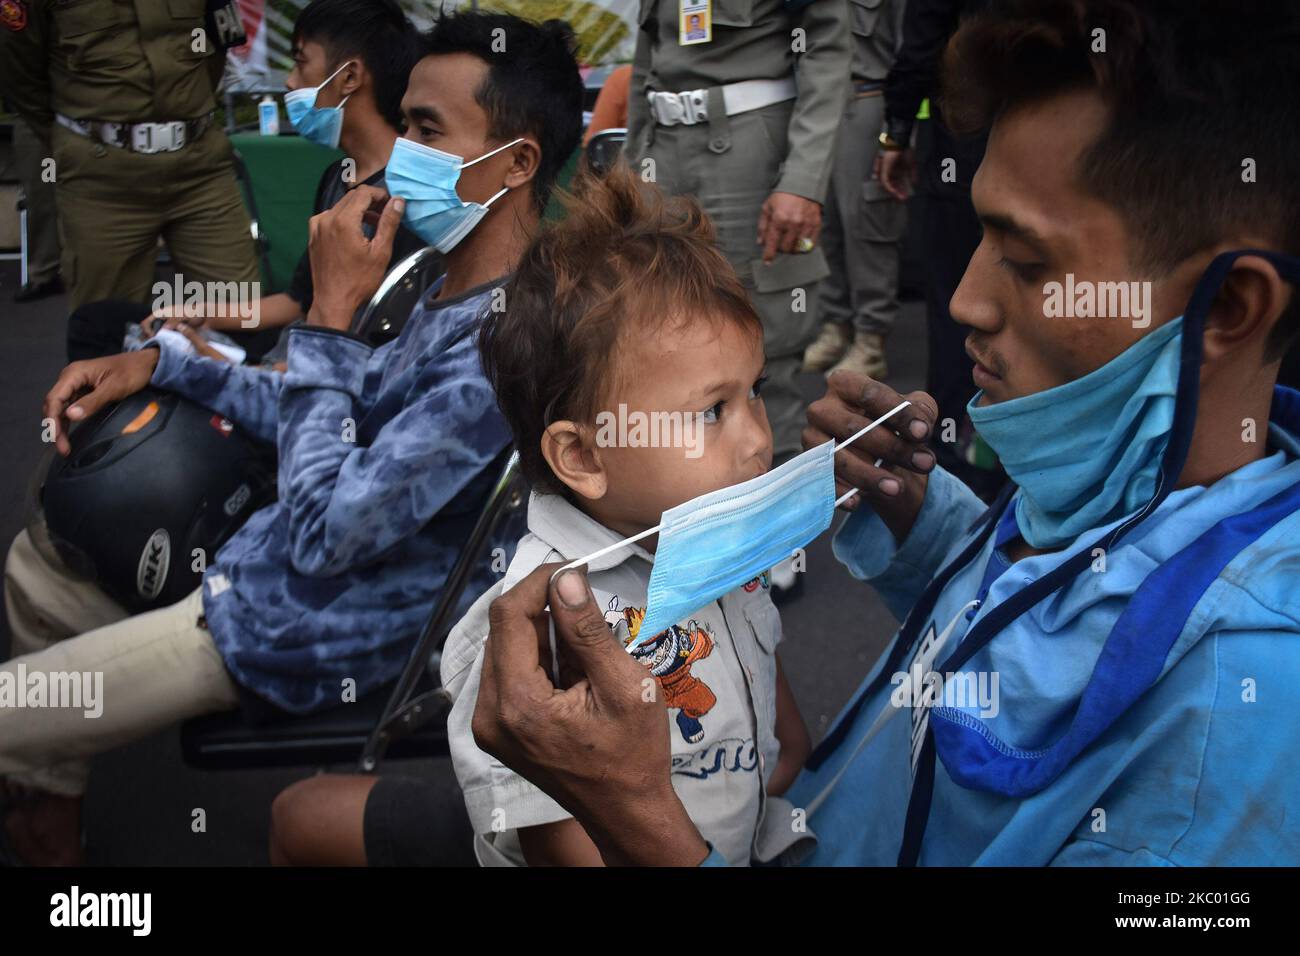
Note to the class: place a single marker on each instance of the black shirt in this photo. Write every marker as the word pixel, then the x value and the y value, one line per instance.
pixel 329 191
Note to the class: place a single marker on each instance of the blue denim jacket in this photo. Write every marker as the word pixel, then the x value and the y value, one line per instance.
pixel 383 466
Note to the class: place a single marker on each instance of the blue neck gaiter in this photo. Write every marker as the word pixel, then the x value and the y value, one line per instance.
pixel 1088 452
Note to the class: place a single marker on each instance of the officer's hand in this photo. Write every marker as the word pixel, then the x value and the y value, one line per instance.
pixel 785 219
pixel 600 747
pixel 83 388
pixel 895 487
pixel 346 267
pixel 896 170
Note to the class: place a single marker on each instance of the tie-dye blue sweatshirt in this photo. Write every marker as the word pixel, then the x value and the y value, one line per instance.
pixel 383 467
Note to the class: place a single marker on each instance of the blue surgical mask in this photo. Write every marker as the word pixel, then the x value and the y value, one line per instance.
pixel 712 544
pixel 1088 452
pixel 318 124
pixel 426 178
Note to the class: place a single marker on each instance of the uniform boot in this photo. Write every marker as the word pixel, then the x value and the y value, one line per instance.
pixel 866 356
pixel 829 348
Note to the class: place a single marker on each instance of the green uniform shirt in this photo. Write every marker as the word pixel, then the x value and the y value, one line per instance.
pixel 752 40
pixel 125 61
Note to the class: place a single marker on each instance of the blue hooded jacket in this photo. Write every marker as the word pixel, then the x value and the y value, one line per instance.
pixel 1173 743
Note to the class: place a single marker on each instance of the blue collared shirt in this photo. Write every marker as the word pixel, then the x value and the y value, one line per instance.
pixel 383 465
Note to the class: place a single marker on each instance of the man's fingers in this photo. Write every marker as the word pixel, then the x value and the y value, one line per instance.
pixel 875 398
pixel 91 402
pixel 511 650
pixel 772 239
pixel 926 412
pixel 200 344
pixel 386 231
pixel 71 382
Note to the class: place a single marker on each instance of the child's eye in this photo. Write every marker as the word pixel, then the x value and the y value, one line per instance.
pixel 757 388
pixel 713 413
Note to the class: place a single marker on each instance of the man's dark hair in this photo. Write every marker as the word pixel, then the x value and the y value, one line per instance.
pixel 1194 89
pixel 373 31
pixel 532 86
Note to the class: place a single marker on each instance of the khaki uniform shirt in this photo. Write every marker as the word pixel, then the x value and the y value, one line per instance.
pixel 753 39
pixel 125 61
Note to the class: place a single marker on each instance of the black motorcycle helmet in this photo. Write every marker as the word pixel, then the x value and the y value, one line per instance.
pixel 154 485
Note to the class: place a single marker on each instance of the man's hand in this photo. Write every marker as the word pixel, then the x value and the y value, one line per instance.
pixel 896 170
pixel 895 488
pixel 171 317
pixel 346 267
pixel 83 388
pixel 785 219
pixel 600 746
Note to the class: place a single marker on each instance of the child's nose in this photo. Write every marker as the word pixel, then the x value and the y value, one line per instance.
pixel 758 435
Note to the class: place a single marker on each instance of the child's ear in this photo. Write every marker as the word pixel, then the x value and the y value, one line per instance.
pixel 574 459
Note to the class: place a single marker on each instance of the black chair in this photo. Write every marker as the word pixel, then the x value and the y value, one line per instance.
pixel 604 149
pixel 388 309
pixel 408 719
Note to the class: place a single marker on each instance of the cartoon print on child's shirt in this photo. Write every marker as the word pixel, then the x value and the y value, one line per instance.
pixel 669 656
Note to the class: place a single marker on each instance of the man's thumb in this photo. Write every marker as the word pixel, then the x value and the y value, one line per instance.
pixel 580 624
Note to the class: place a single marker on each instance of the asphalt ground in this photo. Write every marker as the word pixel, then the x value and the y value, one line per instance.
pixel 142 797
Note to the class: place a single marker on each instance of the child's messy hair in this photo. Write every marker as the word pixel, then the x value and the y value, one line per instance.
pixel 622 262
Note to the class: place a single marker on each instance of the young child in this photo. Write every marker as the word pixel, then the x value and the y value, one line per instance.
pixel 626 312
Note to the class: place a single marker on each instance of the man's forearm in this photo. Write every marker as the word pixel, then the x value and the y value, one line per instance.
pixel 273 311
pixel 655 832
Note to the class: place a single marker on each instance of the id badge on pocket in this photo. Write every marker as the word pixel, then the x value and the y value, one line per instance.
pixel 695 21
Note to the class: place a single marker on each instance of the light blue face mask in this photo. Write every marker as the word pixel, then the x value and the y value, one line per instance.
pixel 426 178
pixel 318 124
pixel 1088 452
pixel 712 544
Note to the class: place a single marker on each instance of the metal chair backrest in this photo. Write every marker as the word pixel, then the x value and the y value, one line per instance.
pixel 403 712
pixel 391 305
pixel 604 148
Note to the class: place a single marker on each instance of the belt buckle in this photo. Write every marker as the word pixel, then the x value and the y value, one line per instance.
pixel 157 137
pixel 667 108
pixel 695 105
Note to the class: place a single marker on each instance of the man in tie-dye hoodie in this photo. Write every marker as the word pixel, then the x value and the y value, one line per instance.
pixel 385 455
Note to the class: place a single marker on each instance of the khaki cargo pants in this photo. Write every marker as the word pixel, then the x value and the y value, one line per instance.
pixel 114 204
pixel 135 675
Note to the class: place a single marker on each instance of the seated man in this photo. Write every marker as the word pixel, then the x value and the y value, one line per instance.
pixel 1100 670
pixel 357 55
pixel 331 584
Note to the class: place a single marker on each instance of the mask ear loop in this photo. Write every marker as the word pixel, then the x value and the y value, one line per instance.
pixel 326 82
pixel 655 530
pixel 504 190
pixel 862 431
pixel 517 139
